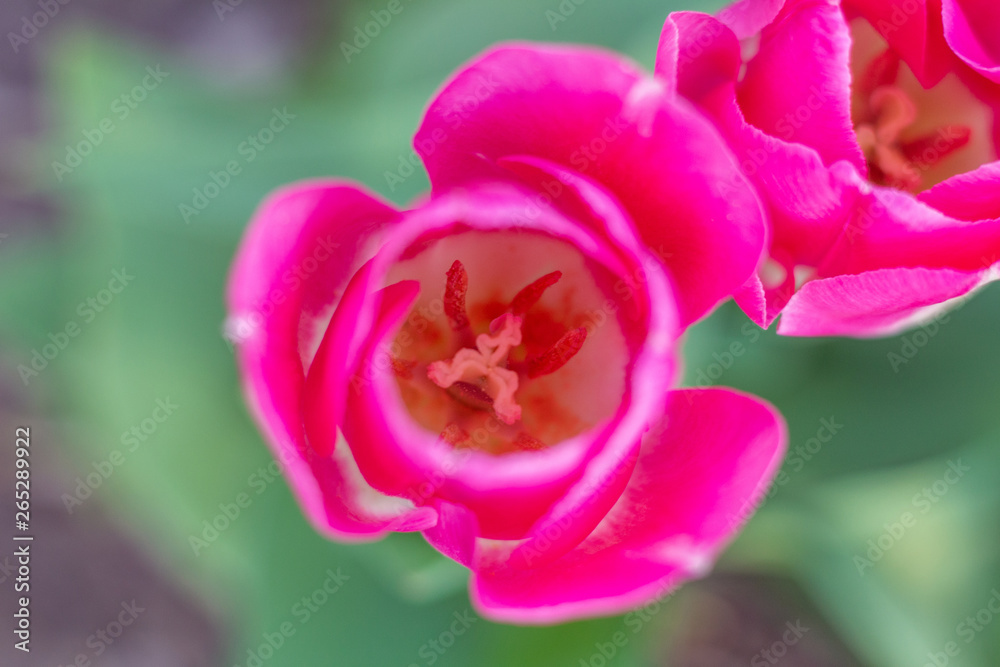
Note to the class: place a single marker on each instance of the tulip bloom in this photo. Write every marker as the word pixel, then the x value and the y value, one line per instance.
pixel 494 366
pixel 869 128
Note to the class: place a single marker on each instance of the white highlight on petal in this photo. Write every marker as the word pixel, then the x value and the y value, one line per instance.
pixel 683 552
pixel 641 104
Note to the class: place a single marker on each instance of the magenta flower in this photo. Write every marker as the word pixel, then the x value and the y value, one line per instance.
pixel 870 130
pixel 493 367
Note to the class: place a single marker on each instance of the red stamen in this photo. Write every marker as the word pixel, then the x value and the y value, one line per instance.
pixel 524 441
pixel 454 434
pixel 530 295
pixel 928 150
pixel 403 368
pixel 472 395
pixel 454 297
pixel 557 356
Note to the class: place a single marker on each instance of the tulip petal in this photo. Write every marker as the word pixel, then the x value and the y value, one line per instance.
pixel 971 196
pixel 971 28
pixel 808 103
pixel 455 533
pixel 882 302
pixel 697 479
pixel 599 115
pixel 891 229
pixel 746 18
pixel 804 204
pixel 294 262
pixel 914 30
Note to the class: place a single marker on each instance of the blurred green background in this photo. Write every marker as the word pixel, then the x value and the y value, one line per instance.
pixel 223 69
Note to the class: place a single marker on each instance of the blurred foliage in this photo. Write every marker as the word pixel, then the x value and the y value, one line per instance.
pixel 161 338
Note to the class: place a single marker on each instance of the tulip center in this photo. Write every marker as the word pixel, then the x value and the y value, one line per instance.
pixel 913 137
pixel 481 374
pixel 497 370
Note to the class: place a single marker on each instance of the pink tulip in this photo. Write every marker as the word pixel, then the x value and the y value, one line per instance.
pixel 493 367
pixel 869 128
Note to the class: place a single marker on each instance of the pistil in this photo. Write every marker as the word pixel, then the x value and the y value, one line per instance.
pixel 485 367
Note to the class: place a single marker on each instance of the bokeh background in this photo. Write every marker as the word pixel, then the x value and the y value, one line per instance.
pixel 876 426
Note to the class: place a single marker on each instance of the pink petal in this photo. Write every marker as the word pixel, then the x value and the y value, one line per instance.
pixel 697 479
pixel 889 229
pixel 455 533
pixel 798 85
pixel 323 231
pixel 875 303
pixel 971 28
pixel 914 30
pixel 599 115
pixel 896 264
pixel 804 204
pixel 752 299
pixel 746 18
pixel 971 196
pixel 699 57
pixel 802 201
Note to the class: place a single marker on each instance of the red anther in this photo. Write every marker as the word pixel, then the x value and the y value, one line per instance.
pixel 454 434
pixel 883 70
pixel 454 297
pixel 556 357
pixel 403 368
pixel 530 295
pixel 928 150
pixel 471 394
pixel 524 441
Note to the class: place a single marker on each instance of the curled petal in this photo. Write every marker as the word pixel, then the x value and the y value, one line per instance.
pixel 881 302
pixel 971 28
pixel 914 30
pixel 324 230
pixel 683 503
